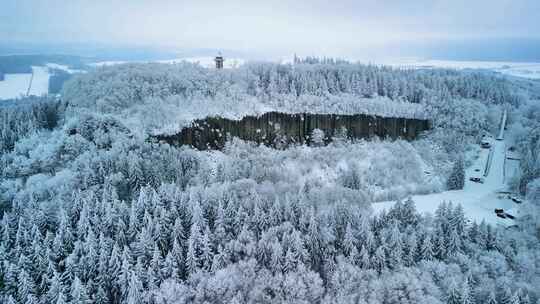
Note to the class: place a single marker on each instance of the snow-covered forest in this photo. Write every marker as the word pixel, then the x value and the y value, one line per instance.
pixel 93 211
pixel 161 98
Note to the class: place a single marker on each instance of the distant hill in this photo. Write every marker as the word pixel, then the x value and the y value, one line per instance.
pixel 14 64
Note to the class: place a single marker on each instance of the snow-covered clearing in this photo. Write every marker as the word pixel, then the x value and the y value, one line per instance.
pixel 17 85
pixel 39 84
pixel 14 85
pixel 479 200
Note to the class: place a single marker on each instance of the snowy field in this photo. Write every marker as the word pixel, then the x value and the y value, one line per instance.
pixel 14 85
pixel 40 81
pixel 478 200
pixel 519 69
pixel 17 85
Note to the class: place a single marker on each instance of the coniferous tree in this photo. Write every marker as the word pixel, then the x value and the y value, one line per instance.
pixel 100 297
pixel 515 299
pixel 349 241
pixel 26 289
pixel 135 290
pixel 378 261
pixel 466 293
pixel 453 295
pixel 124 275
pixel 365 261
pixel 492 298
pixel 56 288
pixel 317 137
pixel 456 180
pixel 79 294
pixel 9 299
pixel 506 296
pixel 426 249
pixel 192 263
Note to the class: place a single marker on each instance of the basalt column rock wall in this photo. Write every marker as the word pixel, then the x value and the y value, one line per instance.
pixel 281 129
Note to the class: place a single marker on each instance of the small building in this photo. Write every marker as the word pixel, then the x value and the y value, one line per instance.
pixel 219 61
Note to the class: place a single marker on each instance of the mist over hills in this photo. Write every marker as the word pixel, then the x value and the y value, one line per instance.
pixel 486 49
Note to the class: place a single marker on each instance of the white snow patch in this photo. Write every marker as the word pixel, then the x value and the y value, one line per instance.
pixel 64 68
pixel 107 63
pixel 40 81
pixel 14 85
pixel 519 69
pixel 20 85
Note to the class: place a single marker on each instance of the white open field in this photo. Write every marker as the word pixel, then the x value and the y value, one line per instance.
pixel 519 69
pixel 14 85
pixel 17 85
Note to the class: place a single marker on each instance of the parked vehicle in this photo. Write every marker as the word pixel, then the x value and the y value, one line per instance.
pixel 516 200
pixel 486 145
pixel 477 180
pixel 501 215
pixel 509 216
pixel 512 227
pixel 498 210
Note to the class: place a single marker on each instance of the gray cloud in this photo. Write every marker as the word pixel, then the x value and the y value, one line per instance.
pixel 334 27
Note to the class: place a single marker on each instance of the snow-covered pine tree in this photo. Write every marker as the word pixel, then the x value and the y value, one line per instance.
pixel 79 294
pixel 453 295
pixel 317 137
pixel 456 180
pixel 135 290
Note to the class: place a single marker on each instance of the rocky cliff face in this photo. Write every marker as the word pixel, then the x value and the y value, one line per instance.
pixel 281 129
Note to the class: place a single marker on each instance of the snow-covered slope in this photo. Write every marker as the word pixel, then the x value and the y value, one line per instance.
pixel 17 85
pixel 40 81
pixel 14 85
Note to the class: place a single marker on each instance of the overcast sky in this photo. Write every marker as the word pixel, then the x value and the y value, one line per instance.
pixel 315 26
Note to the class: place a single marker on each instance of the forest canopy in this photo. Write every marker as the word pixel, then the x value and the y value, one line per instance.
pixel 95 212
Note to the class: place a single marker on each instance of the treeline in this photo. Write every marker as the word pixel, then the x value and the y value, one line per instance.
pixel 526 132
pixel 370 80
pixel 123 86
pixel 318 60
pixel 22 117
pixel 57 79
